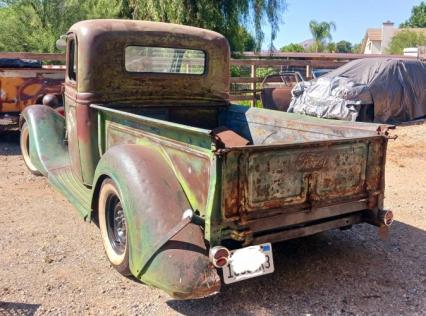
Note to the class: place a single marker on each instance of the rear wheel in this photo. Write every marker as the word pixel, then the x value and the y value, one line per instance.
pixel 113 226
pixel 25 149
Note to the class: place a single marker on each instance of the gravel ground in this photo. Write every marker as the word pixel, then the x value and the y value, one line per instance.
pixel 51 262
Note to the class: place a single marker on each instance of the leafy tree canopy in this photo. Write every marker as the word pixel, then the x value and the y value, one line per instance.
pixel 331 47
pixel 356 48
pixel 321 32
pixel 417 18
pixel 292 47
pixel 405 39
pixel 34 25
pixel 343 47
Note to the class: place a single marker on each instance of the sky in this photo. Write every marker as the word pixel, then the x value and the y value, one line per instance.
pixel 352 18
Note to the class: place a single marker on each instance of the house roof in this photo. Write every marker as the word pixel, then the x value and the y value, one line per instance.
pixel 374 34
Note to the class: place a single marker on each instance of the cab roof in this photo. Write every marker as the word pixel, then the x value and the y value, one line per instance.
pixel 100 61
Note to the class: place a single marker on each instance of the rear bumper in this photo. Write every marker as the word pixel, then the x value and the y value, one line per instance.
pixel 284 225
pixel 307 229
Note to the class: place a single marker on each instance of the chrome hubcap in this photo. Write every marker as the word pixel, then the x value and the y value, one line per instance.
pixel 116 225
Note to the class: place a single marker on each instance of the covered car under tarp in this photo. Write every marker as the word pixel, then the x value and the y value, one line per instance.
pixel 372 89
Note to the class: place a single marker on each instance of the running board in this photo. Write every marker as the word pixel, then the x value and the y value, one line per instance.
pixel 65 182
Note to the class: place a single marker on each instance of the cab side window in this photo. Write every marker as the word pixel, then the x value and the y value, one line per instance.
pixel 72 62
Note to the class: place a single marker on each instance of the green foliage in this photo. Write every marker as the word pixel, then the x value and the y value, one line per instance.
pixel 263 72
pixel 240 71
pixel 244 42
pixel 292 47
pixel 34 25
pixel 417 18
pixel 356 48
pixel 405 39
pixel 343 47
pixel 331 47
pixel 316 47
pixel 321 32
pixel 226 17
pixel 244 71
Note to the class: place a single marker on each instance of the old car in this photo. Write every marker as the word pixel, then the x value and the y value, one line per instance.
pixel 25 82
pixel 275 91
pixel 380 90
pixel 184 185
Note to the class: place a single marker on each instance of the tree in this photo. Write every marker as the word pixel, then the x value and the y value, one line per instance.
pixel 417 18
pixel 321 32
pixel 292 47
pixel 405 39
pixel 356 48
pixel 343 47
pixel 34 25
pixel 245 42
pixel 226 17
pixel 331 47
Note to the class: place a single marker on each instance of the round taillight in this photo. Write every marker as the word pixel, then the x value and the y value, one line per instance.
pixel 219 256
pixel 388 218
pixel 221 253
pixel 221 262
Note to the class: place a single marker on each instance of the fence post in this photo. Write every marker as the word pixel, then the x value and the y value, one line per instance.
pixel 253 84
pixel 308 71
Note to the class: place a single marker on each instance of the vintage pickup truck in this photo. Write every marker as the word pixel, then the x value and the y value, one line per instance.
pixel 25 82
pixel 185 186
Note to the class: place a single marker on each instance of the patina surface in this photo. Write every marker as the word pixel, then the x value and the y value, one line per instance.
pixel 20 88
pixel 173 142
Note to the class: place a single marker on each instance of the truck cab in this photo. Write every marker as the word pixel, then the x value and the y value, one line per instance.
pixel 184 185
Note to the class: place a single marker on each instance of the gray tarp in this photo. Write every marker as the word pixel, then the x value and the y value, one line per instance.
pixel 396 87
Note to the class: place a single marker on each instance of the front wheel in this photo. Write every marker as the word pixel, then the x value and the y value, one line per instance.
pixel 24 143
pixel 113 226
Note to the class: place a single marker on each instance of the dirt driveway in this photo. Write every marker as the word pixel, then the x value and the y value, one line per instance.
pixel 51 262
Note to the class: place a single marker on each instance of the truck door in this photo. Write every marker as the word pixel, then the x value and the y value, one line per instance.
pixel 70 103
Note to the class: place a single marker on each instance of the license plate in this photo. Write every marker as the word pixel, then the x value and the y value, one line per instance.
pixel 248 263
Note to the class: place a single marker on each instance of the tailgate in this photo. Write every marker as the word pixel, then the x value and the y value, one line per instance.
pixel 301 175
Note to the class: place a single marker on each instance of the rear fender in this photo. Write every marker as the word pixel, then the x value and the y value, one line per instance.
pixel 47 137
pixel 154 202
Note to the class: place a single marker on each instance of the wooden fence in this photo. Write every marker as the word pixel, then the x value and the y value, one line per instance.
pixel 248 87
pixel 35 56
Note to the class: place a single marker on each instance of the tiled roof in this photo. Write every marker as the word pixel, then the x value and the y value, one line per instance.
pixel 374 34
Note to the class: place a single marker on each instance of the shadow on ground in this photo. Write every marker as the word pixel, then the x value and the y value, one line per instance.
pixel 17 309
pixel 336 272
pixel 9 143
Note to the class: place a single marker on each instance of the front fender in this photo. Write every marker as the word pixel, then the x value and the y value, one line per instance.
pixel 47 137
pixel 154 203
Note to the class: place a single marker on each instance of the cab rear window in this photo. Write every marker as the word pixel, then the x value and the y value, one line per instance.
pixel 144 59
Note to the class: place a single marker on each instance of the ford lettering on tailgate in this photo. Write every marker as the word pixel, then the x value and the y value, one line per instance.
pixel 294 176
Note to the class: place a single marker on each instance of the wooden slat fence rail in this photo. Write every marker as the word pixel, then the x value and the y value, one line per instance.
pixel 36 56
pixel 248 87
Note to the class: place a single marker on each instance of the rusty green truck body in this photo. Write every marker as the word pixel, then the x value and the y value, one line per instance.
pixel 171 141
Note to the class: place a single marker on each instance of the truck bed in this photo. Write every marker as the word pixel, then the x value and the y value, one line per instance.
pixel 299 168
pixel 259 126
